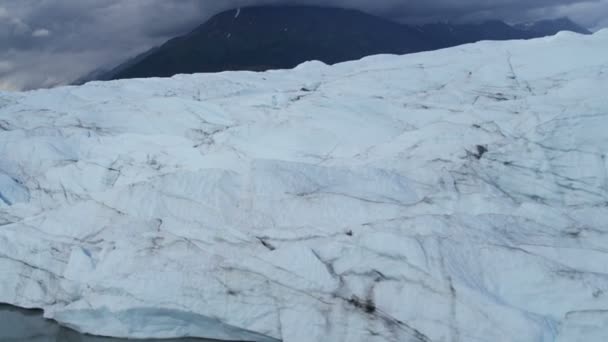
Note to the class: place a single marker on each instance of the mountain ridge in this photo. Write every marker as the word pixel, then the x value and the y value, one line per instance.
pixel 281 37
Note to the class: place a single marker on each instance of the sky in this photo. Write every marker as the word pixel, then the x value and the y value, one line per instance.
pixel 44 43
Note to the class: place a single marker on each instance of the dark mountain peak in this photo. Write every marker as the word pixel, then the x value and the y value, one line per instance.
pixel 287 10
pixel 278 37
pixel 271 19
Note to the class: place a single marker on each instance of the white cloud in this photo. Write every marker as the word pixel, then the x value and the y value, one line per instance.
pixel 41 33
pixel 5 66
pixel 3 13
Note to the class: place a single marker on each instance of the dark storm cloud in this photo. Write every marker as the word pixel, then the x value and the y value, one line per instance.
pixel 49 42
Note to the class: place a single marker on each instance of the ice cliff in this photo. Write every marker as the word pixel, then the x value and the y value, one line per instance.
pixel 457 195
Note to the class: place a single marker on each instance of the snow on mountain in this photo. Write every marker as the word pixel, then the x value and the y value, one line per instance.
pixel 455 195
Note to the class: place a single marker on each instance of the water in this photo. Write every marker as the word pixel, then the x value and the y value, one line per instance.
pixel 18 325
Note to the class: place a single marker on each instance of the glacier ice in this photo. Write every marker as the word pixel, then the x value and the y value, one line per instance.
pixel 455 195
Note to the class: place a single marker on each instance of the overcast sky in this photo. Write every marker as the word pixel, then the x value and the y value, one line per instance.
pixel 49 42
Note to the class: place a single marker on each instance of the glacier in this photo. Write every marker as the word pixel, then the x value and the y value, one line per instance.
pixel 455 195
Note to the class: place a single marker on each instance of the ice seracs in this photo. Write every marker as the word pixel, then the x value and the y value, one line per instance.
pixel 456 195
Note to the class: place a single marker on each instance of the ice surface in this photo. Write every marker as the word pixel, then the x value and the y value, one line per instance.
pixel 456 195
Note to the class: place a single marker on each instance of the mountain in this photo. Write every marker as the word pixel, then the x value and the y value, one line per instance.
pixel 100 74
pixel 452 195
pixel 261 38
pixel 446 35
pixel 106 75
pixel 551 27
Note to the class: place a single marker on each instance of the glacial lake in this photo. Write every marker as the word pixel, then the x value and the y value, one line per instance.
pixel 19 325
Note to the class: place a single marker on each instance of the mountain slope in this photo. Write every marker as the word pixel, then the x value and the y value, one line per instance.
pixel 261 38
pixel 446 35
pixel 106 75
pixel 454 195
